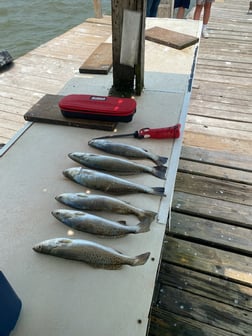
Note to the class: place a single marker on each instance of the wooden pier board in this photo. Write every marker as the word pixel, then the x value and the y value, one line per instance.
pixel 204 285
pixel 100 61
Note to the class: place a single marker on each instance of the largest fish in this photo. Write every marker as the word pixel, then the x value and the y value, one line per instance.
pixel 115 165
pixel 89 252
pixel 127 150
pixel 108 183
pixel 90 202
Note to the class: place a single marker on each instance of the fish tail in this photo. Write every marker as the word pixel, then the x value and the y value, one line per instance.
pixel 141 259
pixel 161 160
pixel 158 191
pixel 143 227
pixel 159 172
pixel 147 216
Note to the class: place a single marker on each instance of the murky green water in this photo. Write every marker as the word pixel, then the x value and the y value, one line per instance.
pixel 26 24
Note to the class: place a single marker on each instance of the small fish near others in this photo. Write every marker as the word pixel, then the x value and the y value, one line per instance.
pixel 82 201
pixel 94 254
pixel 115 165
pixel 100 226
pixel 108 183
pixel 128 151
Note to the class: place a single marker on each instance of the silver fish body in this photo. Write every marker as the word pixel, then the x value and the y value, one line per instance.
pixel 90 202
pixel 92 253
pixel 89 223
pixel 108 183
pixel 115 165
pixel 129 151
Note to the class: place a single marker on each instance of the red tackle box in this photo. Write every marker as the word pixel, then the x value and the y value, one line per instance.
pixel 104 108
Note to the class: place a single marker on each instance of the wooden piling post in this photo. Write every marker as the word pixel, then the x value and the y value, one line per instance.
pixel 97 9
pixel 127 79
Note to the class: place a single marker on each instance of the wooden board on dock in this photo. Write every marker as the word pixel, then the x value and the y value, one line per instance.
pixel 46 110
pixel 100 61
pixel 170 38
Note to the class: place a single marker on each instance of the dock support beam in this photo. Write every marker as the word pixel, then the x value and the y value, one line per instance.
pixel 97 9
pixel 127 79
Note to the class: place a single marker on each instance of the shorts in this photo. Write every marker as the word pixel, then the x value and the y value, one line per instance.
pixel 202 2
pixel 181 3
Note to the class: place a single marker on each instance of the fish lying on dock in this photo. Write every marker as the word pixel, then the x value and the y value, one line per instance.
pixel 129 151
pixel 92 253
pixel 89 202
pixel 89 223
pixel 115 165
pixel 108 183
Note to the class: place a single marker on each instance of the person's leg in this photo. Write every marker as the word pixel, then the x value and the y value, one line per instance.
pixel 206 16
pixel 207 11
pixel 197 12
pixel 154 8
pixel 148 7
pixel 180 13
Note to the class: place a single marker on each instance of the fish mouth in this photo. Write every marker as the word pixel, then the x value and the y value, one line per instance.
pixel 37 248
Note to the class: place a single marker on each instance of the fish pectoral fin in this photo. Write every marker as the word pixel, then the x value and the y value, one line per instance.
pixel 65 241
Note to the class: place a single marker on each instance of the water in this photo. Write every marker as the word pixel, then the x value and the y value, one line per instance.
pixel 26 24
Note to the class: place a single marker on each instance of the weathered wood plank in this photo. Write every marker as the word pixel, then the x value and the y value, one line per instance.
pixel 232 91
pixel 205 310
pixel 193 136
pixel 220 106
pixel 214 188
pixel 220 123
pixel 213 233
pixel 210 170
pixel 213 96
pixel 220 158
pixel 170 38
pixel 214 288
pixel 100 61
pixel 219 114
pixel 165 323
pixel 220 64
pixel 225 71
pixel 219 210
pixel 205 259
pixel 47 111
pixel 218 131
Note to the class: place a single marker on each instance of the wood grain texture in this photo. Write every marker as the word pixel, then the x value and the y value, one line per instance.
pixel 100 61
pixel 170 38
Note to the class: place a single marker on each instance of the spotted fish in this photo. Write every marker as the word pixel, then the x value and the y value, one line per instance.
pixel 92 253
pixel 90 223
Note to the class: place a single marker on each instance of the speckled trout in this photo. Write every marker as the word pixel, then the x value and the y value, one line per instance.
pixel 116 165
pixel 108 183
pixel 89 223
pixel 129 151
pixel 90 202
pixel 92 253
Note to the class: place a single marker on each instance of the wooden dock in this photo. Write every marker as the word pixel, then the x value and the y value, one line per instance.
pixel 205 282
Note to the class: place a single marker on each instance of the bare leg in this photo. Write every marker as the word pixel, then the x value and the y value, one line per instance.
pixel 207 11
pixel 180 13
pixel 197 12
